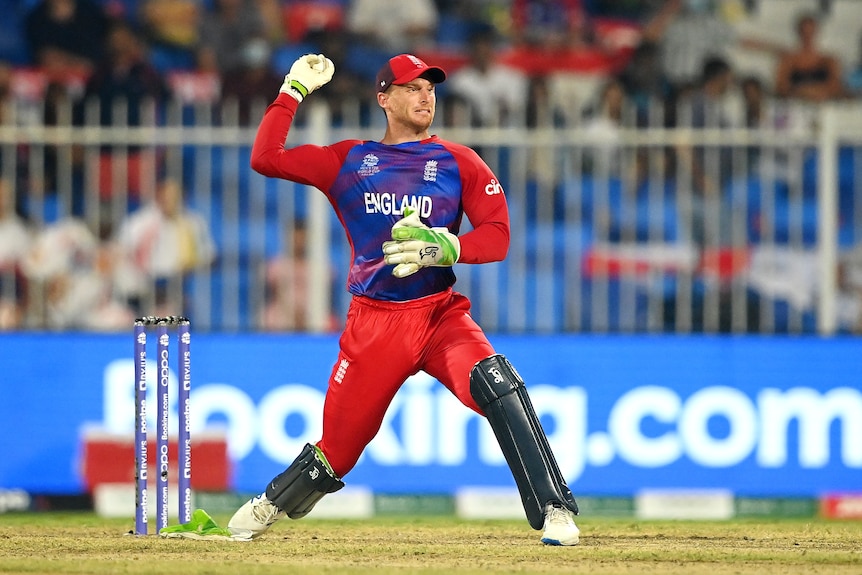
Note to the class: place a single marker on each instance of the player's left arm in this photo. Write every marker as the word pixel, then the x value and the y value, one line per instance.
pixel 484 203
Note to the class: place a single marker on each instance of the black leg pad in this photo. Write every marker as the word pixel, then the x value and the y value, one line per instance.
pixel 500 392
pixel 299 487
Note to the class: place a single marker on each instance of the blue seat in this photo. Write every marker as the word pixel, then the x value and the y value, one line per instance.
pixel 847 168
pixel 286 54
pixel 13 45
pixel 646 213
pixel 774 215
pixel 453 32
pixel 166 59
pixel 616 318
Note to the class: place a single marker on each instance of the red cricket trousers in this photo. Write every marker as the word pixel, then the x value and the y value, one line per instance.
pixel 383 344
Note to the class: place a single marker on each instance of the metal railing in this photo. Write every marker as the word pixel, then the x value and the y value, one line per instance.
pixel 634 228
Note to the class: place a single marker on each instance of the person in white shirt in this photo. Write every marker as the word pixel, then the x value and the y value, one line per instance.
pixel 162 241
pixel 403 26
pixel 495 92
pixel 67 270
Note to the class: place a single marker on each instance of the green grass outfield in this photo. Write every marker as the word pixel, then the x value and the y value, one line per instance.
pixel 83 543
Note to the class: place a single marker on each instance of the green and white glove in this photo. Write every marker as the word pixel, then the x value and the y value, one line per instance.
pixel 202 527
pixel 307 74
pixel 414 246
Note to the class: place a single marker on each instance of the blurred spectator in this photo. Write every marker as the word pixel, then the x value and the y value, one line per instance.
pixel 807 73
pixel 286 281
pixel 11 314
pixel 122 10
pixel 15 240
pixel 691 31
pixel 68 280
pixel 467 16
pixel 755 102
pixel 602 123
pixel 171 28
pixel 706 107
pixel 646 85
pixel 393 27
pixel 158 245
pixel 557 39
pixel 304 17
pixel 756 115
pixel 272 13
pixel 56 110
pixel 706 104
pixel 225 33
pixel 122 84
pixel 66 36
pixel 7 101
pixel 496 93
pixel 252 81
pixel 550 25
pixel 6 71
pixel 125 75
pixel 5 86
pixel 710 168
pixel 567 54
pixel 349 85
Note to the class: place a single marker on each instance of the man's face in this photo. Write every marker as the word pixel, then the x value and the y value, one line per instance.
pixel 169 197
pixel 412 104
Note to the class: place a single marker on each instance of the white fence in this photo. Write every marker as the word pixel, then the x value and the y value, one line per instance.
pixel 614 228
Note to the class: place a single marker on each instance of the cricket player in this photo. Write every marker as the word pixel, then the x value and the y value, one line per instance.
pixel 401 201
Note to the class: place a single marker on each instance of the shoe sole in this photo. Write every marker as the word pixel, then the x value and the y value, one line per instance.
pixel 557 542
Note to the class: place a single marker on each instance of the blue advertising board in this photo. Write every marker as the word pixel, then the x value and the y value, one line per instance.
pixel 757 416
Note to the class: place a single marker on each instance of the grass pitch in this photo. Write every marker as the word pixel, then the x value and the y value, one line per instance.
pixel 84 543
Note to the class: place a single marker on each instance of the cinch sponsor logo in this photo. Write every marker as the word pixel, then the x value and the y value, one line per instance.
pixel 493 187
pixel 646 427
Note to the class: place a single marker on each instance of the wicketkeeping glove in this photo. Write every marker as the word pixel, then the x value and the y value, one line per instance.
pixel 307 74
pixel 414 246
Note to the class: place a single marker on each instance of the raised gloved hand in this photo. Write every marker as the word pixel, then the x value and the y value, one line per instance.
pixel 414 246
pixel 307 74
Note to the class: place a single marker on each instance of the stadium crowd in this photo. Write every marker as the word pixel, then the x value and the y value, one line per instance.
pixel 518 62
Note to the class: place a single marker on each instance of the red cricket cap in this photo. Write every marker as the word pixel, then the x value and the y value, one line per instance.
pixel 406 68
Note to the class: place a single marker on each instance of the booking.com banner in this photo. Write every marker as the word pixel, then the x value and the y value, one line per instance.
pixel 757 416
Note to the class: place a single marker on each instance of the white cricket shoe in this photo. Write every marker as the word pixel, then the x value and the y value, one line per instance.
pixel 254 518
pixel 560 528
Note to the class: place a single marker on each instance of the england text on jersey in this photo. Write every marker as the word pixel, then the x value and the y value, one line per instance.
pixel 386 203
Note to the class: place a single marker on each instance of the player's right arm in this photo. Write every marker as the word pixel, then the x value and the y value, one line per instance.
pixel 307 164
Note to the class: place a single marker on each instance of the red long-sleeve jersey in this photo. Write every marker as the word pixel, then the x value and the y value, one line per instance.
pixel 370 184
